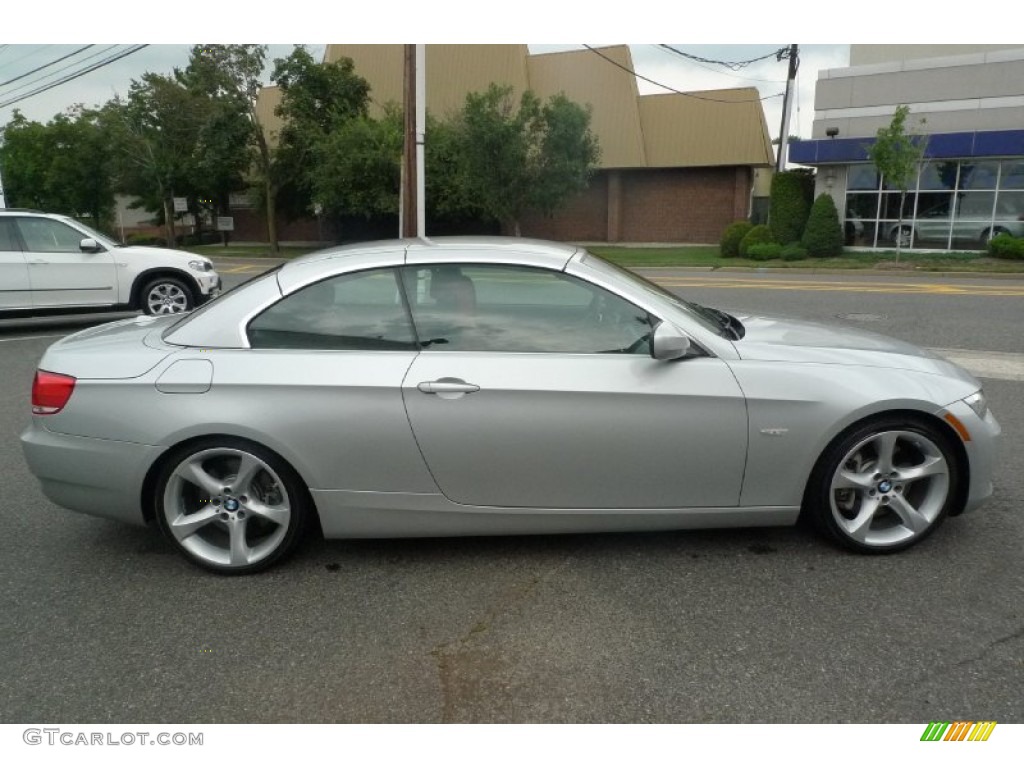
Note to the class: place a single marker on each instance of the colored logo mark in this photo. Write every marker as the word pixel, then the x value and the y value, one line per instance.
pixel 962 730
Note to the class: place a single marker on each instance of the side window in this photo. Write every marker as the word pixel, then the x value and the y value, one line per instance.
pixel 8 239
pixel 470 307
pixel 48 236
pixel 362 311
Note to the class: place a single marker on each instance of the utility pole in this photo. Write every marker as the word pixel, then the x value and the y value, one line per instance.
pixel 793 55
pixel 412 213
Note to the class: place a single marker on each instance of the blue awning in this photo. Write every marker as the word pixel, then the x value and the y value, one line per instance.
pixel 940 145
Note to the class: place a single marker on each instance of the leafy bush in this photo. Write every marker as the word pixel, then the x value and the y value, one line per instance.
pixel 823 235
pixel 1005 246
pixel 757 235
pixel 146 240
pixel 794 252
pixel 789 206
pixel 730 245
pixel 764 251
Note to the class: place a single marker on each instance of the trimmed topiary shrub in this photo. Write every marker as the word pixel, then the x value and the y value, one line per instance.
pixel 734 233
pixel 823 235
pixel 759 234
pixel 764 251
pixel 790 205
pixel 794 252
pixel 1005 246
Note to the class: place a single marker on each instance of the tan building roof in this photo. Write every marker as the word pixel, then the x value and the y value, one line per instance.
pixel 725 127
pixel 705 128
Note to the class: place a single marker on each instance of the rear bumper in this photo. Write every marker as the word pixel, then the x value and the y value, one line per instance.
pixel 98 477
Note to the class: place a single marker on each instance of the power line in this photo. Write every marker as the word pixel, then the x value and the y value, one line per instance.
pixel 735 66
pixel 74 75
pixel 26 55
pixel 670 88
pixel 78 63
pixel 44 66
pixel 747 78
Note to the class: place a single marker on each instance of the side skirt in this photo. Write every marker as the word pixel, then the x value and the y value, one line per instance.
pixel 368 514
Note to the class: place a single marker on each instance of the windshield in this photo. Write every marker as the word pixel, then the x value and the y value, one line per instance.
pixel 98 236
pixel 710 319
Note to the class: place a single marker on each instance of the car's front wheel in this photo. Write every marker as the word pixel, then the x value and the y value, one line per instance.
pixel 884 486
pixel 166 296
pixel 230 506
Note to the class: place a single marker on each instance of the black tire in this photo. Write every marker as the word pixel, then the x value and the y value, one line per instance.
pixel 988 234
pixel 166 296
pixel 899 233
pixel 230 530
pixel 876 505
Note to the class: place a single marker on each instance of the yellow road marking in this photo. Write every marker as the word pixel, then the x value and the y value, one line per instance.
pixel 849 287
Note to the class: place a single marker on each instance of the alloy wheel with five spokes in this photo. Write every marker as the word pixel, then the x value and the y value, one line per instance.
pixel 886 486
pixel 230 506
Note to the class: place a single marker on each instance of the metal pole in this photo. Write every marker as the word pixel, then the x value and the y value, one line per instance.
pixel 421 137
pixel 787 106
pixel 409 182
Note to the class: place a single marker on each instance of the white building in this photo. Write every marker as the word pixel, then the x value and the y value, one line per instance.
pixel 968 104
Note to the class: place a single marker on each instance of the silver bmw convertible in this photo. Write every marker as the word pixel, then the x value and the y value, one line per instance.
pixel 496 386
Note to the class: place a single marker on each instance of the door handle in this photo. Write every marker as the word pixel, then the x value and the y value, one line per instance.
pixel 447 386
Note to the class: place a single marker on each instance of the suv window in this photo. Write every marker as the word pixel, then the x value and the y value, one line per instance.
pixel 471 307
pixel 364 310
pixel 48 236
pixel 8 238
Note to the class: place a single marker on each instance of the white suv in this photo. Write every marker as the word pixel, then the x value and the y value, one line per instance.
pixel 52 262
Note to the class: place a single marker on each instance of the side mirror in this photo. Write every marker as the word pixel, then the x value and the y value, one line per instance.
pixel 89 245
pixel 669 343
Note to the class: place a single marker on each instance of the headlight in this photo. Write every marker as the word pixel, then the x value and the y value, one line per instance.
pixel 978 403
pixel 201 266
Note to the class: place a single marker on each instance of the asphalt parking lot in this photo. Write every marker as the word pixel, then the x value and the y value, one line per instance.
pixel 101 622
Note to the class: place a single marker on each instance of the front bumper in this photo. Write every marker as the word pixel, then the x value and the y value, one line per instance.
pixel 209 286
pixel 84 474
pixel 982 449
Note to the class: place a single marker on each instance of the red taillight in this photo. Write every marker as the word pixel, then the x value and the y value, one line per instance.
pixel 51 392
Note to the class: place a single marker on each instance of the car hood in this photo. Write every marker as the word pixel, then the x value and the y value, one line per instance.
pixel 123 349
pixel 803 341
pixel 149 253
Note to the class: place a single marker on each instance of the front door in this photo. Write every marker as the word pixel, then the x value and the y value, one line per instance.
pixel 536 389
pixel 60 272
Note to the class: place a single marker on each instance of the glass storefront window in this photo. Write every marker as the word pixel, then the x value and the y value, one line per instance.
pixel 862 177
pixel 1013 175
pixel 939 174
pixel 957 204
pixel 978 175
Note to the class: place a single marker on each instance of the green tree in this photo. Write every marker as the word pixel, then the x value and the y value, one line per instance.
pixel 232 74
pixel 896 153
pixel 823 235
pixel 317 100
pixel 524 157
pixel 62 166
pixel 155 132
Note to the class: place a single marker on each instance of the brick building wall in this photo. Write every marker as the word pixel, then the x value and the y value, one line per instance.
pixel 682 205
pixel 658 205
pixel 670 205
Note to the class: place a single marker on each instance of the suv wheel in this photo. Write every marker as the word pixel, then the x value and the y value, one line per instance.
pixel 166 296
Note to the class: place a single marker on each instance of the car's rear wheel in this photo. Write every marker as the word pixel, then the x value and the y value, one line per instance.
pixel 884 486
pixel 167 296
pixel 230 506
pixel 993 232
pixel 903 236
